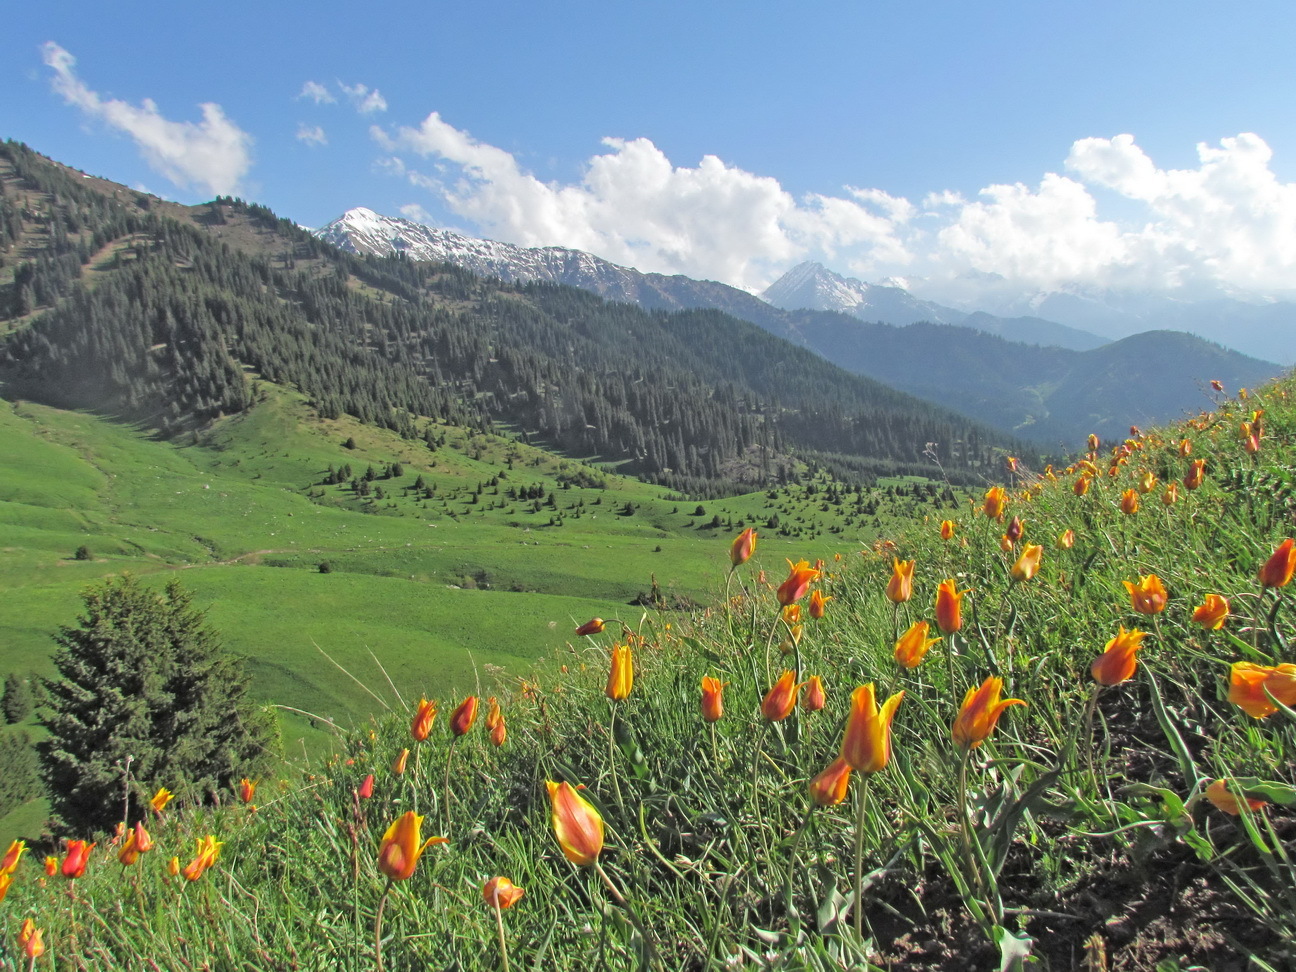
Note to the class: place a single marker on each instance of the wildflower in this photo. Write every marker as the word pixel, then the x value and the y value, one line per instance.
pixel 463 717
pixel 947 529
pixel 366 788
pixel 1093 442
pixel 800 576
pixel 1129 502
pixel 1081 485
pixel 31 940
pixel 1217 384
pixel 493 714
pixel 1005 544
pixel 1148 596
pixel 995 501
pixel 398 764
pixel 1212 612
pixel 13 855
pixel 51 866
pixel 1195 475
pixel 576 824
pixel 247 790
pixel 712 698
pixel 949 606
pixel 818 604
pixel 499 733
pixel 502 893
pixel 1252 443
pixel 866 744
pixel 1066 540
pixel 1249 683
pixel 744 546
pixel 173 866
pixel 400 850
pixel 205 857
pixel 1185 448
pixel 829 788
pixel 791 614
pixel 1119 659
pixel 591 627
pixel 1171 494
pixel 781 699
pixel 160 799
pixel 1015 528
pixel 424 716
pixel 1278 569
pixel 1218 794
pixel 913 645
pixel 900 586
pixel 78 854
pixel 138 842
pixel 815 698
pixel 980 712
pixel 6 880
pixel 1028 563
pixel 1147 482
pixel 621 675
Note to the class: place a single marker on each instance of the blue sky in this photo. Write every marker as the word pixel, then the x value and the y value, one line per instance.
pixel 1138 144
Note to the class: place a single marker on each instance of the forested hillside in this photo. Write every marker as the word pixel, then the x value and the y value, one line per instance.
pixel 118 301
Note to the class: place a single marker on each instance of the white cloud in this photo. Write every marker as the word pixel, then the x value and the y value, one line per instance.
pixel 214 154
pixel 311 134
pixel 417 213
pixel 365 101
pixel 317 93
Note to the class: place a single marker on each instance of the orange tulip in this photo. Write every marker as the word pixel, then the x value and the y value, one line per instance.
pixel 1218 794
pixel 829 788
pixel 173 866
pixel 576 824
pixel 1147 482
pixel 423 719
pixel 25 932
pixel 980 712
pixel 1028 564
pixel 791 614
pixel 13 855
pixel 78 855
pixel 1093 442
pixel 1185 448
pixel 1217 384
pixel 51 866
pixel 780 700
pixel 1081 485
pixel 1119 659
pixel 818 604
pixel 33 945
pixel 744 546
pixel 5 881
pixel 499 733
pixel 1148 596
pixel 1066 540
pixel 1129 503
pixel 815 697
pixel 900 587
pixel 800 576
pixel 591 627
pixel 1278 569
pixel 913 645
pixel 1252 443
pixel 866 744
pixel 207 853
pixel 400 850
pixel 501 893
pixel 712 698
pixel 1195 475
pixel 621 675
pixel 947 529
pixel 493 714
pixel 949 606
pixel 1005 544
pixel 1171 494
pixel 247 790
pixel 398 764
pixel 995 501
pixel 1249 683
pixel 160 799
pixel 463 717
pixel 1212 612
pixel 365 791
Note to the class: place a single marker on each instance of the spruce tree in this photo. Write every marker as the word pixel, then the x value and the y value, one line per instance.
pixel 147 697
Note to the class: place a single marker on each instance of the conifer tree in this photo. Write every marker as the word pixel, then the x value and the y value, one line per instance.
pixel 147 697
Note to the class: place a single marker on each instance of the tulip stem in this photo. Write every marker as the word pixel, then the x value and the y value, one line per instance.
pixel 382 903
pixel 648 950
pixel 612 761
pixel 1090 711
pixel 861 804
pixel 965 818
pixel 499 924
pixel 792 857
pixel 446 786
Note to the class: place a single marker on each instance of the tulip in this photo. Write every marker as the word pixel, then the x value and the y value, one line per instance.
pixel 900 587
pixel 138 842
pixel 621 675
pixel 1148 596
pixel 5 881
pixel 815 697
pixel 32 940
pixel 493 714
pixel 1278 569
pixel 1218 794
pixel 499 733
pixel 1015 528
pixel 818 604
pixel 781 699
pixel 1147 482
pixel 160 799
pixel 1093 442
pixel 463 717
pixel 207 853
pixel 829 788
pixel 9 863
pixel 78 854
pixel 1081 485
pixel 1171 494
pixel 1195 475
pixel 947 529
pixel 1185 448
pixel 1028 563
pixel 712 698
pixel 866 744
pixel 1249 683
pixel 979 713
pixel 400 850
pixel 51 866
pixel 502 893
pixel 744 546
pixel 1212 612
pixel 591 627
pixel 1129 502
pixel 1252 443
pixel 576 824
pixel 1217 384
pixel 800 576
pixel 1119 659
pixel 247 790
pixel 1066 540
pixel 949 606
pixel 913 645
pixel 398 764
pixel 173 866
pixel 423 718
pixel 791 614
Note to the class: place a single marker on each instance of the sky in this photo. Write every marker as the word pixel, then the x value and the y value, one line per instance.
pixel 1136 144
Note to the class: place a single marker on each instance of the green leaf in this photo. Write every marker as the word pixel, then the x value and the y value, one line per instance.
pixel 1014 949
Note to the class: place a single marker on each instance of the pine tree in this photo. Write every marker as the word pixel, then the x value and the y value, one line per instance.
pixel 16 703
pixel 147 697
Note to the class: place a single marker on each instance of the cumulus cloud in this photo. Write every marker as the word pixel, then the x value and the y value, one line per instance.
pixel 312 135
pixel 365 101
pixel 416 212
pixel 1227 223
pixel 214 154
pixel 317 93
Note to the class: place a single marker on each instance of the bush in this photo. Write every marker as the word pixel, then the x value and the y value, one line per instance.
pixel 82 553
pixel 16 703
